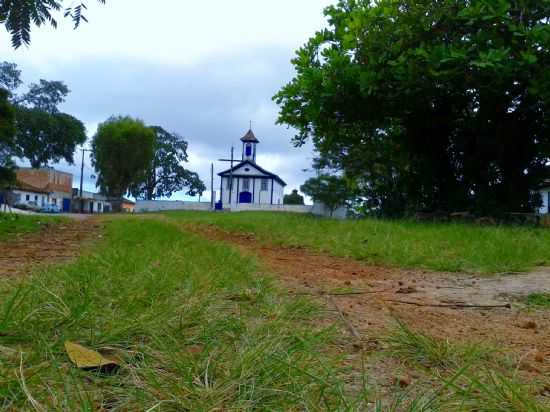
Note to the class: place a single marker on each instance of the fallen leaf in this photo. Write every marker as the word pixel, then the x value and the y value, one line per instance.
pixel 85 358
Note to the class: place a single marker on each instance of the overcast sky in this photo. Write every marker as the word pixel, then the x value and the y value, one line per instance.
pixel 201 69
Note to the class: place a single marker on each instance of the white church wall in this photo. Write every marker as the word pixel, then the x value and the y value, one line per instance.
pixel 255 187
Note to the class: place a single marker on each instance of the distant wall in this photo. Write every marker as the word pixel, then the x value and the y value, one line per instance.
pixel 320 209
pixel 247 207
pixel 160 205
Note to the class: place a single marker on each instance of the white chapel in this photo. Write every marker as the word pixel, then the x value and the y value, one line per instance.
pixel 251 183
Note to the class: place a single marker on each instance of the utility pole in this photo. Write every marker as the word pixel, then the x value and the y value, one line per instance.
pixel 231 178
pixel 82 179
pixel 230 172
pixel 212 200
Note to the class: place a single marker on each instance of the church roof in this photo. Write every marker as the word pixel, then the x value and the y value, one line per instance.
pixel 227 172
pixel 249 137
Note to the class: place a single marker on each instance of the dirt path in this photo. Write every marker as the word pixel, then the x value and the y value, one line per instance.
pixel 53 243
pixel 372 297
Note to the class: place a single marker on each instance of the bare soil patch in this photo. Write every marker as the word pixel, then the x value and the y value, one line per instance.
pixel 53 243
pixel 372 297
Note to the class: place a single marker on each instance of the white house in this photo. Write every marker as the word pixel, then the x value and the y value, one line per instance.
pixel 41 187
pixel 91 202
pixel 252 184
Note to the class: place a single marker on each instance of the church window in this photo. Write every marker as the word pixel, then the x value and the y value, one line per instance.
pixel 264 184
pixel 246 184
pixel 248 150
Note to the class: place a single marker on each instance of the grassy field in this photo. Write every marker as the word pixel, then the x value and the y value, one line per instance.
pixel 11 223
pixel 444 247
pixel 196 328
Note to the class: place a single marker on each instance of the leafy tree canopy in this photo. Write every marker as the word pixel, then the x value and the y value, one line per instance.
pixel 43 137
pixel 10 76
pixel 122 152
pixel 46 95
pixel 167 175
pixel 43 133
pixel 7 132
pixel 429 104
pixel 18 16
pixel 7 120
pixel 293 198
pixel 332 191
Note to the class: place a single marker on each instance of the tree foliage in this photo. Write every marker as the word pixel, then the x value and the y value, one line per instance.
pixel 7 132
pixel 166 174
pixel 43 133
pixel 18 16
pixel 429 104
pixel 44 137
pixel 46 95
pixel 332 191
pixel 293 198
pixel 10 76
pixel 122 152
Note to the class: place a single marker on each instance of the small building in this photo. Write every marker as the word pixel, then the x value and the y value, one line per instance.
pixel 252 184
pixel 90 202
pixel 122 205
pixel 42 187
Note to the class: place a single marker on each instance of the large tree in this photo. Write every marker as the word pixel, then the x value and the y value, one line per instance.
pixel 167 174
pixel 331 191
pixel 122 152
pixel 293 198
pixel 429 104
pixel 43 133
pixel 18 16
pixel 44 137
pixel 7 132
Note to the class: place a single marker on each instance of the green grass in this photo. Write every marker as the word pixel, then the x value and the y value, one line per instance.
pixel 195 327
pixel 471 376
pixel 538 300
pixel 434 246
pixel 11 224
pixel 425 350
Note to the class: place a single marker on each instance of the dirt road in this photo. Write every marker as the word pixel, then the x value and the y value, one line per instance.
pixel 53 243
pixel 457 307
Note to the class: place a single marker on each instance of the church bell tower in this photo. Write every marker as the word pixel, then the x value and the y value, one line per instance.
pixel 249 146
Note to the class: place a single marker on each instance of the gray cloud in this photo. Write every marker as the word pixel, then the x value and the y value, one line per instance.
pixel 209 102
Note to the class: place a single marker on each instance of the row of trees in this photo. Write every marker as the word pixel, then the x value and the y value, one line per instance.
pixel 146 162
pixel 31 124
pixel 428 105
pixel 129 156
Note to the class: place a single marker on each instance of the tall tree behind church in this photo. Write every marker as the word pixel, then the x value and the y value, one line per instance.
pixel 167 174
pixel 122 152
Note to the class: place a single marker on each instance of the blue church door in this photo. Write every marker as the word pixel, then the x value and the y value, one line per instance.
pixel 245 197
